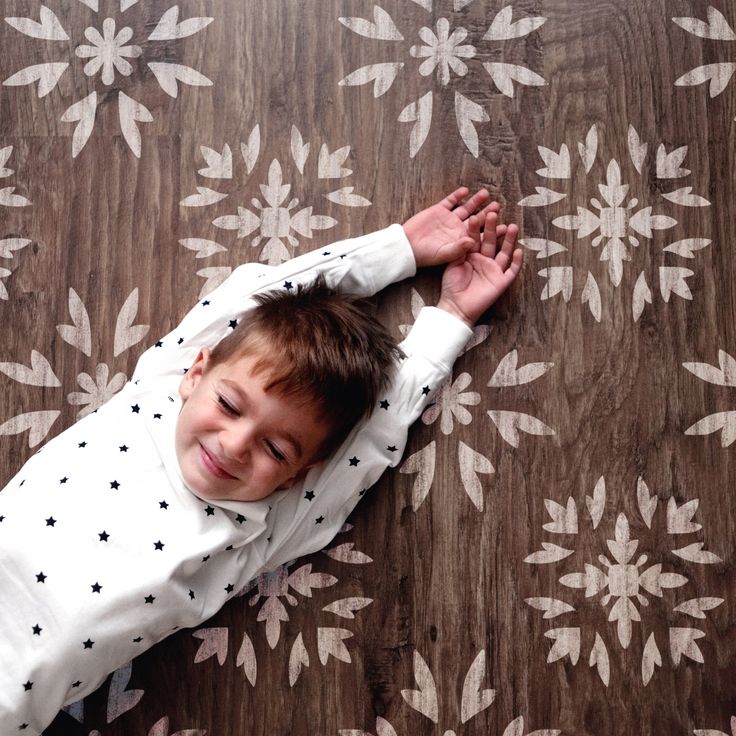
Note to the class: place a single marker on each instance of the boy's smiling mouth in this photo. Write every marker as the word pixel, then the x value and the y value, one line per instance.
pixel 213 466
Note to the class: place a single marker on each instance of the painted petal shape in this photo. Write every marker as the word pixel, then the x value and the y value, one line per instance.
pixel 544 248
pixel 672 281
pixel 564 518
pixel 78 335
pixel 382 75
pixel 509 423
pixel 47 75
pixel 651 658
pixel 127 334
pixel 668 164
pixel 38 422
pixel 252 148
pixel 219 165
pixel 716 27
pixel 423 700
pixel 474 699
pixel 214 643
pixel 330 165
pixel 132 112
pixel 330 642
pixel 347 198
pixel 504 75
pixel 725 420
pixel 39 374
pixel 551 606
pixel 550 553
pixel 120 700
pixel 168 74
pixel 502 28
pixel 345 606
pixel 346 553
pixel 382 28
pixel 203 198
pixel 49 28
pixel 203 248
pixel 599 659
pixel 591 296
pixel 559 280
pixel 647 503
pixel 83 113
pixel 471 463
pixel 589 149
pixel 637 149
pixel 423 463
pixel 507 373
pixel 557 164
pixel 167 29
pixel 642 295
pixel 298 658
pixel 566 643
pixel 695 553
pixel 682 643
pixel 719 75
pixel 247 658
pixel 686 198
pixel 725 375
pixel 542 198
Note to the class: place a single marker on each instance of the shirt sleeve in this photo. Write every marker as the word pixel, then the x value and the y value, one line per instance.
pixel 305 520
pixel 360 266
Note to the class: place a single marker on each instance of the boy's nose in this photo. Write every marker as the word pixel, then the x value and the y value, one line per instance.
pixel 237 442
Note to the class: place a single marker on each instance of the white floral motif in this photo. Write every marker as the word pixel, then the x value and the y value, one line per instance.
pixel 623 581
pixel 723 375
pixel 620 222
pixel 714 732
pixel 450 402
pixel 473 700
pixel 716 28
pixel 96 390
pixel 271 588
pixel 443 51
pixel 277 219
pixel 8 198
pixel 108 53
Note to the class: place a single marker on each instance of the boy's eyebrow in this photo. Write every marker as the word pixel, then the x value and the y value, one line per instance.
pixel 288 436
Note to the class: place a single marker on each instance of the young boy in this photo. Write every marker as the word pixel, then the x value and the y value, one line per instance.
pixel 227 456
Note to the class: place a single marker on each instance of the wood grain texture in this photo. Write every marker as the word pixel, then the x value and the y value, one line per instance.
pixel 446 581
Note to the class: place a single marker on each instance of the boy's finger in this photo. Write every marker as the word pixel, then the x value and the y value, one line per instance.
pixel 451 200
pixel 465 210
pixel 503 258
pixel 474 226
pixel 490 232
pixel 491 207
pixel 515 266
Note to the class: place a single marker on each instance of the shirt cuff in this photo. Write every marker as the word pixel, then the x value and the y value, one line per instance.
pixel 386 258
pixel 437 335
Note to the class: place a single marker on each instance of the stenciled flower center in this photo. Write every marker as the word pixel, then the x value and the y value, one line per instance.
pixel 623 581
pixel 275 222
pixel 614 222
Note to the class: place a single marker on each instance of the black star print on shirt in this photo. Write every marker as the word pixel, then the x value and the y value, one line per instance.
pixel 319 519
pixel 40 578
pixel 425 390
pixel 159 545
pixel 240 518
pixel 354 461
pixel 88 644
pixel 158 344
pixel 138 640
pixel 135 408
pixel 104 536
pixel 150 598
pixel 326 253
pixel 384 404
pixel 392 448
pixel 206 303
pixel 233 324
pixel 77 683
pixel 309 495
pixel 50 521
pixel 62 480
pixel 96 587
pixel 209 510
pixel 27 685
pixel 180 341
pixel 229 588
pixel 163 505
pixel 123 448
pixel 191 595
pixel 288 285
pixel 157 416
pixel 37 630
pixel 82 444
pixel 114 485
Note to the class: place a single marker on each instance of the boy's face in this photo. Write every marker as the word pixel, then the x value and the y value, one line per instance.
pixel 235 440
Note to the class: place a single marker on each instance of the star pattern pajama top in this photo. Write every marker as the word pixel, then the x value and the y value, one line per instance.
pixel 104 550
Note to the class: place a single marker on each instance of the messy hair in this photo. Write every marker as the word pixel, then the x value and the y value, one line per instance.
pixel 320 347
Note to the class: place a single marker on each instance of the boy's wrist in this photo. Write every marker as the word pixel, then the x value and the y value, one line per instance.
pixel 411 237
pixel 451 308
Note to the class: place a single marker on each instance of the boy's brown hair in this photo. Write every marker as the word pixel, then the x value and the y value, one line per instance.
pixel 319 346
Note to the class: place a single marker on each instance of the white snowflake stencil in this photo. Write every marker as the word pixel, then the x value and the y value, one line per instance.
pixel 715 28
pixel 9 198
pixel 627 583
pixel 474 699
pixel 723 375
pixel 276 221
pixel 617 224
pixel 95 390
pixel 449 406
pixel 108 52
pixel 444 53
pixel 271 590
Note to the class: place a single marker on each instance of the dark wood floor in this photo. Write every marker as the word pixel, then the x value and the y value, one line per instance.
pixel 556 554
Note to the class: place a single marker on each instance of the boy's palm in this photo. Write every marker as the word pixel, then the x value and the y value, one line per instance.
pixel 439 234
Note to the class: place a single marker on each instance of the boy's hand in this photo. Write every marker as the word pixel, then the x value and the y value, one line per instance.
pixel 474 281
pixel 440 233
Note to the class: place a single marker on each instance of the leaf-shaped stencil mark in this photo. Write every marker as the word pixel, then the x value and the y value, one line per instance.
pixel 47 75
pixel 5 153
pixel 252 149
pixel 83 113
pixel 591 296
pixel 345 606
pixel 725 420
pixel 716 27
pixel 127 334
pixel 214 643
pixel 559 281
pixel 39 374
pixel 637 149
pixel 78 335
pixel 330 165
pixel 685 198
pixel 504 75
pixel 507 373
pixel 298 658
pixel 589 150
pixel 597 503
pixel 695 553
pixel 502 29
pixel 38 422
pixel 550 553
pixel 120 700
pixel 686 248
pixel 564 518
pixel 672 281
pixel 725 375
pixel 719 75
pixel 669 164
pixel 647 503
pixel 347 198
pixel 299 149
pixel 650 659
pixel 551 606
pixel 542 198
pixel 330 642
pixel 168 74
pixel 422 462
pixel 8 199
pixel 203 198
pixel 382 75
pixel 423 700
pixel 168 29
pixel 132 112
pixel 9 245
pixel 418 112
pixel 510 423
pixel 247 659
pixel 557 164
pixel 472 463
pixel 642 296
pixel 544 248
pixel 682 642
pixel 203 248
pixel 696 607
pixel 219 165
pixel 383 27
pixel 474 699
pixel 48 29
pixel 346 553
pixel 599 659
pixel 680 519
pixel 566 643
pixel 468 114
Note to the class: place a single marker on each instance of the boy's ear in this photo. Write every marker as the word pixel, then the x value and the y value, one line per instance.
pixel 194 374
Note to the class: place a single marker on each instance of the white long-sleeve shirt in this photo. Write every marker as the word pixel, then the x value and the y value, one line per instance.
pixel 104 550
